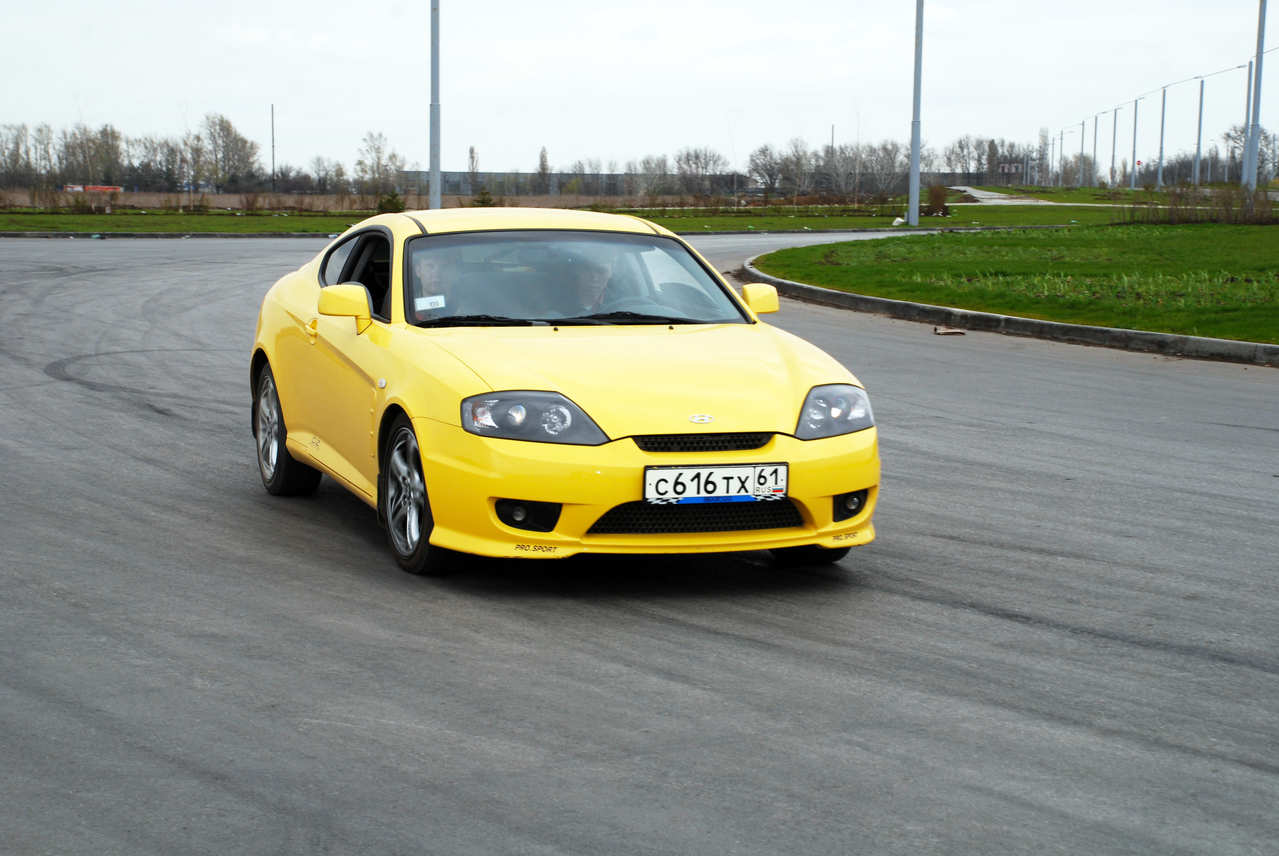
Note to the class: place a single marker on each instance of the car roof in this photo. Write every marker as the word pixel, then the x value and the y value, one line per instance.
pixel 483 219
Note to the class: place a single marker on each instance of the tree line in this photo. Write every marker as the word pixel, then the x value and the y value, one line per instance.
pixel 217 157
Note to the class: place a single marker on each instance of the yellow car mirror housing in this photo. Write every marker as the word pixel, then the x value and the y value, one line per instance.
pixel 347 299
pixel 759 297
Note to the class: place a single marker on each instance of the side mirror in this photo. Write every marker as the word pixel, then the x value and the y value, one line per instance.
pixel 759 297
pixel 347 299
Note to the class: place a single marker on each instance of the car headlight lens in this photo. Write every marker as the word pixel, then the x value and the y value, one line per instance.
pixel 541 417
pixel 834 409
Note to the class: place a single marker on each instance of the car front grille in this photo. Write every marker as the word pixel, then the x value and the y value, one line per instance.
pixel 702 442
pixel 643 518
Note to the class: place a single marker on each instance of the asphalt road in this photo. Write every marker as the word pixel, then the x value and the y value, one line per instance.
pixel 1065 640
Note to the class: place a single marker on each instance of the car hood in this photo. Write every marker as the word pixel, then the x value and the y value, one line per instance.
pixel 653 379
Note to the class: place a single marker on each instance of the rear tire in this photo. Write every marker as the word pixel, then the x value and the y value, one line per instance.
pixel 282 474
pixel 406 508
pixel 810 554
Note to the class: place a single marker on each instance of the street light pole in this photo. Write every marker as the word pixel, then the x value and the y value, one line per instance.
pixel 435 104
pixel 1061 157
pixel 1247 126
pixel 1199 138
pixel 1092 172
pixel 1163 109
pixel 1114 140
pixel 912 214
pixel 1254 132
pixel 1079 178
pixel 1132 170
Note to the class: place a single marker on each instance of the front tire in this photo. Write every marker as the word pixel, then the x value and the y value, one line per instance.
pixel 808 555
pixel 282 474
pixel 406 507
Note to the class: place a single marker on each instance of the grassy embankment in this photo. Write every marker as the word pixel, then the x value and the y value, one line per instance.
pixel 693 221
pixel 1202 280
pixel 1082 195
pixel 1118 195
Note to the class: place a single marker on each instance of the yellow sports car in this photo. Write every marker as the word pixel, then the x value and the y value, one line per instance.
pixel 541 383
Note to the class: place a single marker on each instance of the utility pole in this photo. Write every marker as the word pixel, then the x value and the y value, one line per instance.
pixel 1254 131
pixel 1061 157
pixel 1079 179
pixel 1163 109
pixel 1092 173
pixel 1247 125
pixel 273 148
pixel 1114 139
pixel 1199 138
pixel 435 104
pixel 912 213
pixel 1132 171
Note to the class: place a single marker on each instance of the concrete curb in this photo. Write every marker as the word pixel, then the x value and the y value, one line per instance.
pixel 1197 347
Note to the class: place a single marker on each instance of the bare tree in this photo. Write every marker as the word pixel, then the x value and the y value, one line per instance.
pixel 655 173
pixel 695 167
pixel 233 159
pixel 765 167
pixel 885 166
pixel 1236 139
pixel 543 182
pixel 193 161
pixel 15 156
pixel 797 168
pixel 378 166
pixel 473 169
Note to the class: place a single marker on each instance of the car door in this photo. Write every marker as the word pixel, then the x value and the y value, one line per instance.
pixel 347 366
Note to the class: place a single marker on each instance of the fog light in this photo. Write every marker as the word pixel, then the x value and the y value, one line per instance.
pixel 849 504
pixel 526 514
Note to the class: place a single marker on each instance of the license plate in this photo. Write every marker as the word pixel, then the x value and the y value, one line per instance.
pixel 740 483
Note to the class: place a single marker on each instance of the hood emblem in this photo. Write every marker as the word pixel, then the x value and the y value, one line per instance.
pixel 701 418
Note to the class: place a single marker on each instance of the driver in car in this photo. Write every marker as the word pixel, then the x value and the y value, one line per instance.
pixel 431 289
pixel 588 280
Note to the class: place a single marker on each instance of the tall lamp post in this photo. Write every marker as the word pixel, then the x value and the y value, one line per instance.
pixel 912 212
pixel 1114 140
pixel 435 104
pixel 1199 137
pixel 1254 131
pixel 1132 170
pixel 1163 109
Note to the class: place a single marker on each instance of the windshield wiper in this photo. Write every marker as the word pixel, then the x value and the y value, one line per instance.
pixel 635 317
pixel 478 321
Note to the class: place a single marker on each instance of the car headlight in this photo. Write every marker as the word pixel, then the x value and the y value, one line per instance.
pixel 542 417
pixel 833 409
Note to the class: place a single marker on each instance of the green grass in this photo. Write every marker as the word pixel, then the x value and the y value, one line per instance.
pixel 1201 280
pixel 169 222
pixel 691 220
pixel 1078 195
pixel 961 216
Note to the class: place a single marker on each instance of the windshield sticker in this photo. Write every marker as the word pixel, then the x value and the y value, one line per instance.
pixel 425 304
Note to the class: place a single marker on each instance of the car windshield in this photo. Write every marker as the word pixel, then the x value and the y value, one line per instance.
pixel 559 277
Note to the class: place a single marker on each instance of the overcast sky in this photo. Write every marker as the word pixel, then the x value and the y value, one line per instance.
pixel 616 81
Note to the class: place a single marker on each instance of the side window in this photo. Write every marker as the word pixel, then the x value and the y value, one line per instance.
pixel 331 273
pixel 371 267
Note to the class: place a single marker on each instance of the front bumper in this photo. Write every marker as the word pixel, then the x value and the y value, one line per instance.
pixel 467 474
